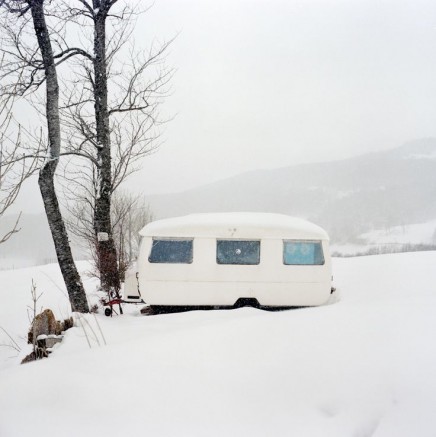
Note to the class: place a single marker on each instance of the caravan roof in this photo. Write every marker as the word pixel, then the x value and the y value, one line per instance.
pixel 235 225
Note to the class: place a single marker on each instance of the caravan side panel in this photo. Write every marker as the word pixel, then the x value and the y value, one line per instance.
pixel 205 282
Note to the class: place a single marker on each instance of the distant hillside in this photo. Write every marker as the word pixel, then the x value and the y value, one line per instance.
pixel 377 191
pixel 348 197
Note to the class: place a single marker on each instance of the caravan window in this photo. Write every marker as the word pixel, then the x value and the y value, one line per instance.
pixel 302 253
pixel 171 250
pixel 238 252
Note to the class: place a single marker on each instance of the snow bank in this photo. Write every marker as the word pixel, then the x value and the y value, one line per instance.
pixel 362 366
pixel 16 306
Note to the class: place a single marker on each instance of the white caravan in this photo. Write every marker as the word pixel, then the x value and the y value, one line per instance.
pixel 217 259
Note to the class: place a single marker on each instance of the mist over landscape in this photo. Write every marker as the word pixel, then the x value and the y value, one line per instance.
pixel 291 146
pixel 386 191
pixel 323 110
pixel 347 197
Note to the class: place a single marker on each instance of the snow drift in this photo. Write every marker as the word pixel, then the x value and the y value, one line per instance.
pixel 363 366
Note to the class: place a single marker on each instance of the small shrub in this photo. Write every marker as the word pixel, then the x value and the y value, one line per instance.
pixel 37 354
pixel 68 323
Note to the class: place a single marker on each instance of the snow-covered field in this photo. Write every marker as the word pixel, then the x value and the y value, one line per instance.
pixel 390 239
pixel 363 366
pixel 419 233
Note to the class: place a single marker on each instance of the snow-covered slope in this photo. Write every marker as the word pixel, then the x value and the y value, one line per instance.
pixel 363 366
pixel 391 239
pixel 419 233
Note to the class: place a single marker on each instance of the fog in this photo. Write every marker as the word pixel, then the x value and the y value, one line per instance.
pixel 267 84
pixel 264 84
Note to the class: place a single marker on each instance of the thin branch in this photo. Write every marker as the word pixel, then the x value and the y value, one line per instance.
pixel 11 232
pixel 14 344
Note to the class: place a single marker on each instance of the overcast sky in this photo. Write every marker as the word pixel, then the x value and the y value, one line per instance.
pixel 264 84
pixel 271 83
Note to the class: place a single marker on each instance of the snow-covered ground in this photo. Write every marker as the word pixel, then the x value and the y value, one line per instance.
pixel 391 239
pixel 8 263
pixel 419 233
pixel 362 366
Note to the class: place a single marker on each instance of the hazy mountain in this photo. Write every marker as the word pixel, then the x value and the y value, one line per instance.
pixel 347 197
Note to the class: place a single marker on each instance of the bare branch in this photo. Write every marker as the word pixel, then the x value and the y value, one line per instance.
pixel 72 51
pixel 11 232
pixel 12 344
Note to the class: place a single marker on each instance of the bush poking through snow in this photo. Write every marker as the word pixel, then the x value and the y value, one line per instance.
pixel 37 354
pixel 66 324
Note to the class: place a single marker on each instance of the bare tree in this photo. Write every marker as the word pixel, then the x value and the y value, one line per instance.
pixel 9 184
pixel 129 214
pixel 13 170
pixel 108 132
pixel 26 67
pixel 113 131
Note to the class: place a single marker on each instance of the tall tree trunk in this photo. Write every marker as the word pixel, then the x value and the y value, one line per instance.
pixel 106 250
pixel 68 268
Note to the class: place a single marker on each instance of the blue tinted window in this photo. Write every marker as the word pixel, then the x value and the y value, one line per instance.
pixel 238 252
pixel 171 251
pixel 303 253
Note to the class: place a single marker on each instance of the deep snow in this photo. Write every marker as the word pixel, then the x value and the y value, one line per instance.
pixel 363 366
